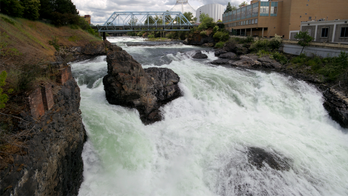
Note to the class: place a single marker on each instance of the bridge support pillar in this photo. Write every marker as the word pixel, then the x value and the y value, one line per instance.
pixel 104 36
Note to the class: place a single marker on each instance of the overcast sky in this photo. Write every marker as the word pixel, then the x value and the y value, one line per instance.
pixel 100 10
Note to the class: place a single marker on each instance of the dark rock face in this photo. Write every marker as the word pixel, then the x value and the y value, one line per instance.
pixel 128 84
pixel 221 62
pixel 199 40
pixel 230 46
pixel 199 55
pixel 337 106
pixel 259 157
pixel 218 52
pixel 165 84
pixel 93 49
pixel 229 55
pixel 247 63
pixel 53 164
pixel 269 63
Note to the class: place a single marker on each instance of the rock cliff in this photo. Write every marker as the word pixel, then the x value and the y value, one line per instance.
pixel 128 84
pixel 54 134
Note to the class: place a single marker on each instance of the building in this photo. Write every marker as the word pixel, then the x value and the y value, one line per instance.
pixel 87 18
pixel 214 11
pixel 327 31
pixel 282 17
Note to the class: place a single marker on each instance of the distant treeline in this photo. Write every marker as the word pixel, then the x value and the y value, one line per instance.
pixel 56 12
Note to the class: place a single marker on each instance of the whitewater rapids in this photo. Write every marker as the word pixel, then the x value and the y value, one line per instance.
pixel 199 149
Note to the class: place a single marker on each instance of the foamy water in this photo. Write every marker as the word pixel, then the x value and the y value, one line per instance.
pixel 200 146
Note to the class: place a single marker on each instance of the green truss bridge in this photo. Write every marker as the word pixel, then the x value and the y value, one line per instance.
pixel 122 22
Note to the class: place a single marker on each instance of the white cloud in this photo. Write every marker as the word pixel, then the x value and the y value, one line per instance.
pixel 101 10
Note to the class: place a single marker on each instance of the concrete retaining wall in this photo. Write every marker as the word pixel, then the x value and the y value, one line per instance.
pixel 310 50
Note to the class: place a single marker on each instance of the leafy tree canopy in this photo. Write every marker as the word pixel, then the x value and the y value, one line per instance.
pixel 243 4
pixel 304 39
pixel 228 8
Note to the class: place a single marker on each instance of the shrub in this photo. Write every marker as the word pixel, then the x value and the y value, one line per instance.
pixel 54 43
pixel 260 45
pixel 3 96
pixel 151 36
pixel 203 33
pixel 215 29
pixel 221 36
pixel 301 59
pixel 281 58
pixel 220 44
pixel 262 53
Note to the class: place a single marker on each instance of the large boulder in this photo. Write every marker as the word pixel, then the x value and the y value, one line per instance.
pixel 230 46
pixel 221 62
pixel 199 55
pixel 247 63
pixel 229 55
pixel 218 52
pixel 269 63
pixel 128 84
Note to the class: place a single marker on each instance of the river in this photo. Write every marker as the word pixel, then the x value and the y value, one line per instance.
pixel 199 149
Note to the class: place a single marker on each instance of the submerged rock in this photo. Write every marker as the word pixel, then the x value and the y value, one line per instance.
pixel 259 157
pixel 128 84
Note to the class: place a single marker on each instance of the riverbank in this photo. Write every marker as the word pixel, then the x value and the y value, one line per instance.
pixel 42 134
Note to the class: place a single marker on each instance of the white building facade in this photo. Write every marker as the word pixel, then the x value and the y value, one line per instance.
pixel 215 11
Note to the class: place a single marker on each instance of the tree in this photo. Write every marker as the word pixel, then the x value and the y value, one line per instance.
pixel 228 8
pixel 31 9
pixel 189 16
pixel 11 8
pixel 304 39
pixel 243 4
pixel 206 21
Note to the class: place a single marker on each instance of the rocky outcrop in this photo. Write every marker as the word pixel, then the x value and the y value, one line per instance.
pixel 54 136
pixel 259 157
pixel 269 63
pixel 221 62
pixel 337 106
pixel 128 84
pixel 229 55
pixel 239 49
pixel 199 55
pixel 218 52
pixel 246 63
pixel 80 53
pixel 198 40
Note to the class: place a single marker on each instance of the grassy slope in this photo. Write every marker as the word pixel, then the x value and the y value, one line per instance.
pixel 31 39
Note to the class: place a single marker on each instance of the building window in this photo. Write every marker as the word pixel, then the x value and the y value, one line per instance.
pixel 256 21
pixel 255 9
pixel 344 32
pixel 274 8
pixel 249 11
pixel 264 9
pixel 310 18
pixel 324 32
